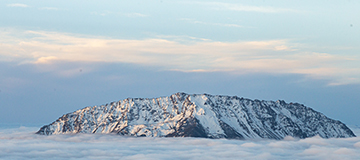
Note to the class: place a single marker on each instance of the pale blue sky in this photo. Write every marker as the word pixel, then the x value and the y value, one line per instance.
pixel 57 57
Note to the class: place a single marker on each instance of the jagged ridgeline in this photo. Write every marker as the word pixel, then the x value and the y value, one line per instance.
pixel 200 115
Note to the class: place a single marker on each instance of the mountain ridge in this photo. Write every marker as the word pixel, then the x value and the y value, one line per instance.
pixel 200 115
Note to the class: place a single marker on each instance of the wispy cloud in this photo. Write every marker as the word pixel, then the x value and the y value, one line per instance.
pixel 103 13
pixel 242 7
pixel 183 38
pixel 131 15
pixel 273 56
pixel 49 8
pixel 135 15
pixel 17 5
pixel 207 23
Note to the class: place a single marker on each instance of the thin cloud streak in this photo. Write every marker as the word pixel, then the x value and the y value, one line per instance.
pixel 213 24
pixel 243 8
pixel 273 56
pixel 129 15
pixel 17 5
pixel 135 15
pixel 49 8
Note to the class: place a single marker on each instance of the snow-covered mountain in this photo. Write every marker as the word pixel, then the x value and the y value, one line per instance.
pixel 200 115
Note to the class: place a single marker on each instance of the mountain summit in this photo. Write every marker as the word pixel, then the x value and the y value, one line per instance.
pixel 200 115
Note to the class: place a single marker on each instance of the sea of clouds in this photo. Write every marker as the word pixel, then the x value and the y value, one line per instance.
pixel 23 143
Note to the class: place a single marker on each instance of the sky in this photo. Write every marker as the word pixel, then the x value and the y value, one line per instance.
pixel 58 57
pixel 21 143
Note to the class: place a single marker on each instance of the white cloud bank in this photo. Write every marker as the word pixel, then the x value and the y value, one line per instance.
pixel 22 143
pixel 272 56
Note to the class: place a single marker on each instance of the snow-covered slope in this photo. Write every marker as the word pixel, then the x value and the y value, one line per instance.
pixel 200 115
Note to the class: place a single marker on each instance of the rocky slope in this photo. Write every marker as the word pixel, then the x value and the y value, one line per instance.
pixel 200 115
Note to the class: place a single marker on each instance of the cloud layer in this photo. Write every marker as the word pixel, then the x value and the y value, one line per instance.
pixel 272 56
pixel 22 143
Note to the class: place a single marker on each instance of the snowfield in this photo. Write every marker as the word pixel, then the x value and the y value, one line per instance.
pixel 23 143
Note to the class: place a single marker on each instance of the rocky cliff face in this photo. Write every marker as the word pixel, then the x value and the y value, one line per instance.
pixel 200 115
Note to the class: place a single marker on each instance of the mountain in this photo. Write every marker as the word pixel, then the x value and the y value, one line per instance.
pixel 200 115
